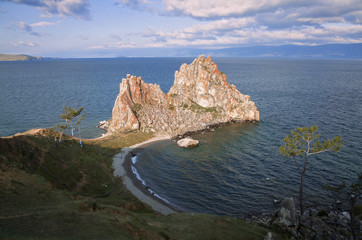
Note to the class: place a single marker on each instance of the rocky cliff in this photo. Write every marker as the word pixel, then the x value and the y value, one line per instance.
pixel 199 97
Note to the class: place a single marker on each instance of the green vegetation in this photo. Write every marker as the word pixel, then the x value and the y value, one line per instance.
pixel 137 107
pixel 171 107
pixel 301 145
pixel 200 109
pixel 69 114
pixel 56 190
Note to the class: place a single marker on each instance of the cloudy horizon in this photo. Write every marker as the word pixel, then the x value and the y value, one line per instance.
pixel 111 28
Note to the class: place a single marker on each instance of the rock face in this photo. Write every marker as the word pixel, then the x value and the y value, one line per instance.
pixel 199 97
pixel 287 214
pixel 187 143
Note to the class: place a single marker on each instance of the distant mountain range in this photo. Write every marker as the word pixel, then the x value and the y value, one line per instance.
pixel 329 51
pixel 21 57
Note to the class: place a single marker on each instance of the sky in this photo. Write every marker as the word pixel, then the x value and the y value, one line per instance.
pixel 115 28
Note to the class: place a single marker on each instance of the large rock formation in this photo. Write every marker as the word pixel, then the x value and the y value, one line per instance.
pixel 199 97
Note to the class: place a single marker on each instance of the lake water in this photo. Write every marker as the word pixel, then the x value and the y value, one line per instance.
pixel 237 168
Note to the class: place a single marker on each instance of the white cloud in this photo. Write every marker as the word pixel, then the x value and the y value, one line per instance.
pixel 74 8
pixel 232 8
pixel 23 43
pixel 41 24
pixel 237 31
pixel 216 8
pixel 255 22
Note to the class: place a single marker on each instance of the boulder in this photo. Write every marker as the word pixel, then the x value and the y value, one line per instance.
pixel 103 125
pixel 287 214
pixel 188 143
pixel 269 236
pixel 199 97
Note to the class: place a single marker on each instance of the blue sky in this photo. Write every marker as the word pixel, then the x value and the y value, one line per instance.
pixel 112 28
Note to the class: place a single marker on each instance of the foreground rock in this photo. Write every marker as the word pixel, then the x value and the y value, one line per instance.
pixel 187 143
pixel 287 214
pixel 199 97
pixel 314 223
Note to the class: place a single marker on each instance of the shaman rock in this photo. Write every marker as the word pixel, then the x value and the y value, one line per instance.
pixel 199 97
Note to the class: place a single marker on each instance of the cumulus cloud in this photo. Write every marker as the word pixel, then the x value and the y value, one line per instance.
pixel 231 8
pixel 264 22
pixel 216 8
pixel 256 22
pixel 235 31
pixel 74 8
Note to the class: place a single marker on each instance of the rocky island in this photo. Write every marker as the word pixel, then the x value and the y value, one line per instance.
pixel 199 97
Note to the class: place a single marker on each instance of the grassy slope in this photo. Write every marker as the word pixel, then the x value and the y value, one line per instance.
pixel 47 188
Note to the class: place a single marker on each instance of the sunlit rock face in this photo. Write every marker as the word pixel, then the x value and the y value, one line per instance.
pixel 199 97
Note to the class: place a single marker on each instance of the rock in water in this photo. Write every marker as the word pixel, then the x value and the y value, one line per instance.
pixel 287 214
pixel 199 97
pixel 188 143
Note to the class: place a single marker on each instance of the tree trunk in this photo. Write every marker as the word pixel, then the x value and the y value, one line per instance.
pixel 71 125
pixel 301 192
pixel 61 136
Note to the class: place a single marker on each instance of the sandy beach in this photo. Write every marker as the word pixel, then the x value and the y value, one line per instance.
pixel 122 163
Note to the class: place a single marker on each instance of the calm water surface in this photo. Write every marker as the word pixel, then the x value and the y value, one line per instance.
pixel 236 169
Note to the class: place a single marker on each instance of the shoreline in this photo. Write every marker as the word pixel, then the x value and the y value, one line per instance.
pixel 122 164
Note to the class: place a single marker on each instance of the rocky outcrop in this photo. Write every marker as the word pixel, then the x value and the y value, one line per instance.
pixel 287 214
pixel 314 224
pixel 199 97
pixel 187 143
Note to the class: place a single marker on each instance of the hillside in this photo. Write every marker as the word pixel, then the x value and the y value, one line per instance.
pixel 61 191
pixel 21 57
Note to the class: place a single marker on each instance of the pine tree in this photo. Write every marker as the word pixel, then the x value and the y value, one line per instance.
pixel 69 114
pixel 301 145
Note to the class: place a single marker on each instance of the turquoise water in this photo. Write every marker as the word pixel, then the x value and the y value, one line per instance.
pixel 236 169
